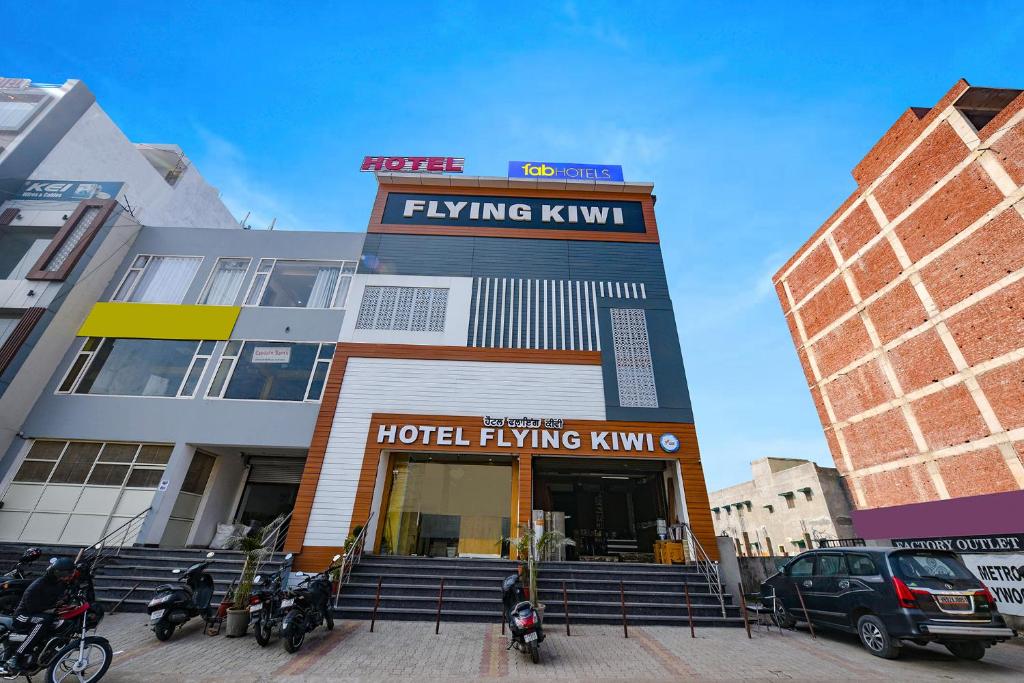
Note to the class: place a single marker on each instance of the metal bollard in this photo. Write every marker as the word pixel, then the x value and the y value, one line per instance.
pixel 803 606
pixel 376 603
pixel 565 606
pixel 440 598
pixel 622 598
pixel 743 608
pixel 689 607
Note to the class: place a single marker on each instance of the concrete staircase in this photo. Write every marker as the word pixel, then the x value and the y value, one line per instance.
pixel 145 567
pixel 472 591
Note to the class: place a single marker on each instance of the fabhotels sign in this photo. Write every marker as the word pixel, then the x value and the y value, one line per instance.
pixel 550 170
pixel 513 212
pixel 519 433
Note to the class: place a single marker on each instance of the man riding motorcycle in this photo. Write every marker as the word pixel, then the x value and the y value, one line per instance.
pixel 35 613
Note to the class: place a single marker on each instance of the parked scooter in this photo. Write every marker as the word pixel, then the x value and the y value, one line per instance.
pixel 174 604
pixel 523 621
pixel 14 583
pixel 265 604
pixel 306 607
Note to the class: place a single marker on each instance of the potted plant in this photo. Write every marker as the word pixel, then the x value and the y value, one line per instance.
pixel 530 549
pixel 254 546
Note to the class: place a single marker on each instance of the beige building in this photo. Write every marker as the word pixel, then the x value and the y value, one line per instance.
pixel 788 506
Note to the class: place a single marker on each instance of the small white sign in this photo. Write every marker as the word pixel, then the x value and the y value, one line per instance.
pixel 164 483
pixel 272 354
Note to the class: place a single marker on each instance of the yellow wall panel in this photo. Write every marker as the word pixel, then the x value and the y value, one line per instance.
pixel 159 321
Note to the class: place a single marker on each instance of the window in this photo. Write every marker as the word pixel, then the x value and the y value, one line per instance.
pixel 225 281
pixel 301 284
pixel 922 564
pixel 95 464
pixel 20 249
pixel 803 567
pixel 831 565
pixel 415 309
pixel 198 473
pixel 137 367
pixel 16 110
pixel 272 371
pixel 158 279
pixel 8 321
pixel 71 241
pixel 861 565
pixel 634 369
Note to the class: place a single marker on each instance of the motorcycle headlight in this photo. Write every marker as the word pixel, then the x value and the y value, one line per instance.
pixel 159 601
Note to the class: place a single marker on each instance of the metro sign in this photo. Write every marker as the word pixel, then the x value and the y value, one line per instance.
pixel 414 164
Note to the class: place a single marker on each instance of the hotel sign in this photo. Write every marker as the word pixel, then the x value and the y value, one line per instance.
pixel 528 213
pixel 413 164
pixel 533 434
pixel 550 170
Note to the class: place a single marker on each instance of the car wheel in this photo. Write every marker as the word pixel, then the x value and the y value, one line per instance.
pixel 966 650
pixel 875 637
pixel 781 616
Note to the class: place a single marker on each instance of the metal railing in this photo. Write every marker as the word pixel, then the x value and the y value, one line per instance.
pixel 840 542
pixel 705 565
pixel 111 543
pixel 351 558
pixel 273 539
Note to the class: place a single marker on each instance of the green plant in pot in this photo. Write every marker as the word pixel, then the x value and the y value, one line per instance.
pixel 255 546
pixel 530 549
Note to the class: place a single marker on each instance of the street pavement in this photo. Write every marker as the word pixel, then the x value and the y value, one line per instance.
pixel 410 650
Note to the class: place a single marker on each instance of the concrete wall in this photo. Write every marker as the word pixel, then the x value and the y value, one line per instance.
pixel 904 308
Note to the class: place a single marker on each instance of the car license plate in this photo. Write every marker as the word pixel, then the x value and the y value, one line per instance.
pixel 156 615
pixel 256 608
pixel 957 602
pixel 530 637
pixel 287 603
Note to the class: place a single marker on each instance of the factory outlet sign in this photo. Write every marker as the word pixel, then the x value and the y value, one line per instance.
pixel 529 213
pixel 550 170
pixel 413 164
pixel 966 544
pixel 525 433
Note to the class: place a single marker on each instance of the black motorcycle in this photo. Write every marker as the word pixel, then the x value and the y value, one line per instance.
pixel 67 653
pixel 14 582
pixel 523 621
pixel 175 604
pixel 265 604
pixel 306 607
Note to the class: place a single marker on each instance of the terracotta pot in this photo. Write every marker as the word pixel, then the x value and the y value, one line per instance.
pixel 237 623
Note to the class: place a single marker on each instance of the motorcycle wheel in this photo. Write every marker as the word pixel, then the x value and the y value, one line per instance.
pixel 163 630
pixel 263 630
pixel 67 666
pixel 293 641
pixel 330 619
pixel 534 653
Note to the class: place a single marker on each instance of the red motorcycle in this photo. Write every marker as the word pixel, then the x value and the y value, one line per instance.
pixel 67 654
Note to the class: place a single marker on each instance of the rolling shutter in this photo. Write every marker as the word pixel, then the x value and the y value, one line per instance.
pixel 276 470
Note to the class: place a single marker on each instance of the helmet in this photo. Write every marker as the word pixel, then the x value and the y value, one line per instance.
pixel 61 567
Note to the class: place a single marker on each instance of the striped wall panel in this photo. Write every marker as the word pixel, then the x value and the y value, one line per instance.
pixel 529 313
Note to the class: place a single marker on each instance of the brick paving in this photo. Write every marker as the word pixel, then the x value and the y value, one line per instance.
pixel 410 650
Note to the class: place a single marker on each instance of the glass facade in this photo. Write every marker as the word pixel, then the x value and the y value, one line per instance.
pixel 448 506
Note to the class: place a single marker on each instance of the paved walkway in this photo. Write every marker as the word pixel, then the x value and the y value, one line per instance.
pixel 410 650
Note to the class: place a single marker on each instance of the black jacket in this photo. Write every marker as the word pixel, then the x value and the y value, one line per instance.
pixel 41 595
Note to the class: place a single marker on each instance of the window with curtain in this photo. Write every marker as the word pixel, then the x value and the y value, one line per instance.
pixel 301 284
pixel 17 110
pixel 225 281
pixel 158 279
pixel 136 367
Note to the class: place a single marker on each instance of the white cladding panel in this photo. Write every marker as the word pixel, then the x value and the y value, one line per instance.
pixel 425 387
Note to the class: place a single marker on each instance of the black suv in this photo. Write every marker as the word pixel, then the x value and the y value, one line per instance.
pixel 888 596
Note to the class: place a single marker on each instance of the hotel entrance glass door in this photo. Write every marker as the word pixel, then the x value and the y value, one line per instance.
pixel 447 506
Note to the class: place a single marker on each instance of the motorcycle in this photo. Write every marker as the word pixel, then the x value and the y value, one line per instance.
pixel 68 653
pixel 174 605
pixel 306 607
pixel 265 604
pixel 14 583
pixel 523 621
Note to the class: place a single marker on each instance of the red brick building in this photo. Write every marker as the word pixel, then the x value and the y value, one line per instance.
pixel 907 310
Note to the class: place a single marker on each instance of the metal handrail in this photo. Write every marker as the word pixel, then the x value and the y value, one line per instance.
pixel 705 565
pixel 116 538
pixel 351 558
pixel 272 538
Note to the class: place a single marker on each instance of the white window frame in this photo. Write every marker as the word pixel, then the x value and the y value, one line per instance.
pixel 213 271
pixel 141 270
pixel 233 360
pixel 256 291
pixel 38 100
pixel 197 355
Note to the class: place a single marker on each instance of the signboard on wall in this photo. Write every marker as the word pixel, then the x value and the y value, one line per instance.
pixel 526 213
pixel 555 170
pixel 413 164
pixel 68 190
pixel 966 544
pixel 272 354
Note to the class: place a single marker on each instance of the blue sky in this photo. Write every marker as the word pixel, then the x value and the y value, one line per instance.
pixel 747 117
